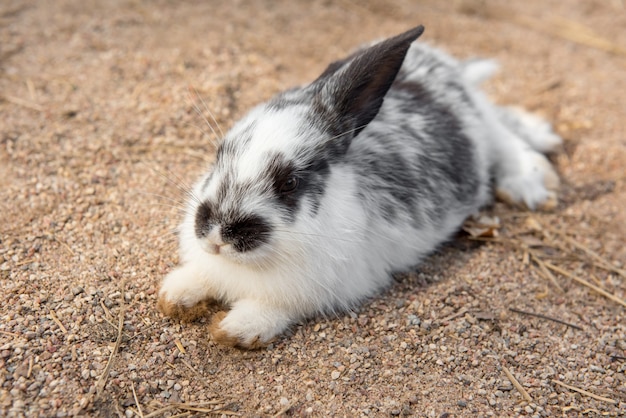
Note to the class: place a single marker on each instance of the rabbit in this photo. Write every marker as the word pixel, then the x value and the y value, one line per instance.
pixel 318 195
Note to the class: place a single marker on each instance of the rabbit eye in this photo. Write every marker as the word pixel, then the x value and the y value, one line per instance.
pixel 290 185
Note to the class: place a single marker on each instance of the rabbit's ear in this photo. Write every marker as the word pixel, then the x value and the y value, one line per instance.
pixel 333 67
pixel 349 95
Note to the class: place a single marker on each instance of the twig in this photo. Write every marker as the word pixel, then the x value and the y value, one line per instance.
pixel 571 31
pixel 106 310
pixel 546 317
pixel 190 407
pixel 24 262
pixel 22 102
pixel 120 327
pixel 110 322
pixel 461 312
pixel 570 408
pixel 159 411
pixel 544 271
pixel 225 412
pixel 600 262
pixel 54 317
pixel 586 283
pixel 517 384
pixel 544 267
pixel 541 268
pixel 64 244
pixel 12 334
pixel 196 408
pixel 30 368
pixel 132 386
pixel 285 409
pixel 180 347
pixel 191 368
pixel 197 373
pixel 584 392
pixel 31 89
pixel 203 408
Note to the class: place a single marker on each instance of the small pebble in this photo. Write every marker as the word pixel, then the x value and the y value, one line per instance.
pixel 597 369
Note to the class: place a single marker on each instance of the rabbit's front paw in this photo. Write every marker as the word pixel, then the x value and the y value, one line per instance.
pixel 248 325
pixel 182 312
pixel 182 295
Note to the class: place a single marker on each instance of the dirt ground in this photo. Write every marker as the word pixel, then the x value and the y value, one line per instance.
pixel 98 131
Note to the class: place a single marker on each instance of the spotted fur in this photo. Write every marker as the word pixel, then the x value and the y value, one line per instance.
pixel 316 196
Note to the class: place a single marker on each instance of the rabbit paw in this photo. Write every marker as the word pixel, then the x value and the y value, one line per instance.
pixel 182 295
pixel 535 186
pixel 248 325
pixel 182 312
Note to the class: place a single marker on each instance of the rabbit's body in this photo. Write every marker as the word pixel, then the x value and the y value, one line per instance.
pixel 317 196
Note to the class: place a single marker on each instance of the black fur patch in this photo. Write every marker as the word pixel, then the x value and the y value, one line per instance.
pixel 452 153
pixel 310 181
pixel 350 92
pixel 279 173
pixel 246 233
pixel 205 218
pixel 443 170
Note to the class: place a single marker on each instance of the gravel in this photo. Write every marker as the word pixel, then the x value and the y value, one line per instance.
pixel 98 134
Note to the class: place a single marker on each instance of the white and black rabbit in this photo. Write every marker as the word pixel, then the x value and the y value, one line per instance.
pixel 318 195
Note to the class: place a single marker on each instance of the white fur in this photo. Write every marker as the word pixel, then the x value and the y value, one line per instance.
pixel 523 174
pixel 276 130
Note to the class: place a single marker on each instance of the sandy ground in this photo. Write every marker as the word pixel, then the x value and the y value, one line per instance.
pixel 98 132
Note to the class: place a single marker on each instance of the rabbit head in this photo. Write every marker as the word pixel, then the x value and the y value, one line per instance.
pixel 272 169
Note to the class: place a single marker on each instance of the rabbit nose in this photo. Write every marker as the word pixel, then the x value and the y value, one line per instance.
pixel 213 241
pixel 213 248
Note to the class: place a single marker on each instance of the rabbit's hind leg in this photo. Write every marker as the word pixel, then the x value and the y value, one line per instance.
pixel 523 174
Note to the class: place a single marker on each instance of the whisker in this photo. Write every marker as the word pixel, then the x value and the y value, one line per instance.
pixel 182 203
pixel 210 113
pixel 318 236
pixel 204 132
pixel 167 205
pixel 327 253
pixel 172 232
pixel 200 113
pixel 179 183
pixel 347 132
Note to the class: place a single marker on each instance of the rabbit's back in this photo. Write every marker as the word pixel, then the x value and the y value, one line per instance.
pixel 420 160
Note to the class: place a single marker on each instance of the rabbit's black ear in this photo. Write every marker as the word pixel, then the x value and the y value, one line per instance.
pixel 350 93
pixel 334 66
